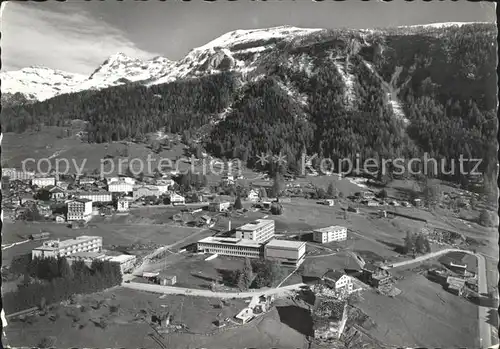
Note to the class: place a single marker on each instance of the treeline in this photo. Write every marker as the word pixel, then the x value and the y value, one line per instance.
pixel 53 280
pixel 129 111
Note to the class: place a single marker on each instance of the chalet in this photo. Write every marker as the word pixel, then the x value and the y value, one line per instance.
pixel 338 280
pixel 376 276
pixel 55 192
pixel 253 195
pixel 205 220
pixel 122 204
pixel 176 199
pixel 44 210
pixel 455 285
pixel 219 206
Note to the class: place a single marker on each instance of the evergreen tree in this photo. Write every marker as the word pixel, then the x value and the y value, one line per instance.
pixel 237 203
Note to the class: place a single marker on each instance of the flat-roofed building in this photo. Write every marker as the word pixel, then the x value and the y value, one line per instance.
pixel 329 234
pixel 120 186
pixel 86 180
pixel 42 182
pixel 56 248
pixel 230 247
pixel 288 253
pixel 126 261
pixel 79 209
pixel 260 230
pixel 15 174
pixel 145 190
pixel 86 257
pixel 97 196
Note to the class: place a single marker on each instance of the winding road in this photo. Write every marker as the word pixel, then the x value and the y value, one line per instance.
pixel 282 291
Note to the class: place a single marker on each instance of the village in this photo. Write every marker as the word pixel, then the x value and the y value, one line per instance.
pixel 236 241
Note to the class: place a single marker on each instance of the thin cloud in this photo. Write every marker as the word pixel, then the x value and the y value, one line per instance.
pixel 70 41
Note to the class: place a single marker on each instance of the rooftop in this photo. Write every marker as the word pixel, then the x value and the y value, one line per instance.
pixel 87 254
pixel 258 224
pixel 286 244
pixel 121 258
pixel 230 241
pixel 100 192
pixel 53 244
pixel 334 274
pixel 330 228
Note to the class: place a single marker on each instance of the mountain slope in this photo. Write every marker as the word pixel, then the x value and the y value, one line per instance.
pixel 338 93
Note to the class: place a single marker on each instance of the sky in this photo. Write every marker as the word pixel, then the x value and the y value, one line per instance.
pixel 77 36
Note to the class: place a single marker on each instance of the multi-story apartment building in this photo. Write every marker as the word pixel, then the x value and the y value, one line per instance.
pixel 43 181
pixel 56 248
pixel 79 209
pixel 15 174
pixel 120 186
pixel 329 234
pixel 288 253
pixel 260 230
pixel 98 196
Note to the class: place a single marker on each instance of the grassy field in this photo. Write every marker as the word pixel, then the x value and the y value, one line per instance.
pixel 192 271
pixel 120 310
pixel 422 315
pixel 113 235
pixel 125 329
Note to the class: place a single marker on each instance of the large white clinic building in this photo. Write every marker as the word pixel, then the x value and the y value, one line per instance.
pixel 260 230
pixel 255 240
pixel 329 234
pixel 230 247
pixel 56 248
pixel 288 253
pixel 248 241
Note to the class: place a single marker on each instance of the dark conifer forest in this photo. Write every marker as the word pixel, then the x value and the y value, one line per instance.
pixel 444 80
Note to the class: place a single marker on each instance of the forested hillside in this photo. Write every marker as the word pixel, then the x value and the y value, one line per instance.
pixel 394 93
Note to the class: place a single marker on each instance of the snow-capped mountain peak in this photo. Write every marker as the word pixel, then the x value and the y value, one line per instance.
pixel 39 82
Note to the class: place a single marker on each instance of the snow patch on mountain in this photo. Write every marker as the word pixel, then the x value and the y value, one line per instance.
pixel 39 83
pixel 348 79
pixel 439 25
pixel 240 37
pixel 392 93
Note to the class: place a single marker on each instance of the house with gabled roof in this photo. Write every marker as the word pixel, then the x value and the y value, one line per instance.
pixel 338 280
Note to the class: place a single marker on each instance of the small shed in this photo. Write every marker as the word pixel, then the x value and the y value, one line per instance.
pixel 167 280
